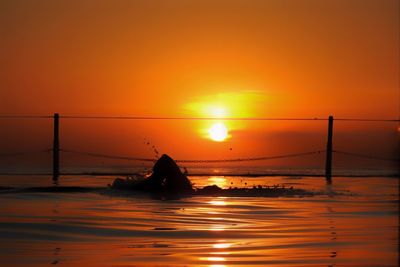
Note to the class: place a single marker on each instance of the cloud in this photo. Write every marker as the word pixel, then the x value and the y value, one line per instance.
pixel 245 103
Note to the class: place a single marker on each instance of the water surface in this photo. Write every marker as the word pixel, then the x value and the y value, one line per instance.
pixel 354 224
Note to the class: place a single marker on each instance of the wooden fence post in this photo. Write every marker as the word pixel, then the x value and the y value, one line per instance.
pixel 328 164
pixel 56 149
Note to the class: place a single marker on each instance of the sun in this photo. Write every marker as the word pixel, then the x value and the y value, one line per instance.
pixel 218 132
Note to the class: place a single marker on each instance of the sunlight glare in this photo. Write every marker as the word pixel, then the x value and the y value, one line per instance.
pixel 212 259
pixel 220 202
pixel 218 112
pixel 218 132
pixel 222 245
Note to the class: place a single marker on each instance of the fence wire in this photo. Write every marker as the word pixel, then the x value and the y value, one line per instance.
pixel 192 118
pixel 131 158
pixel 194 160
pixel 365 156
pixel 99 155
pixel 18 154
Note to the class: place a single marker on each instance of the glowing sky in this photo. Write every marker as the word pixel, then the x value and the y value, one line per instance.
pixel 275 58
pixel 154 57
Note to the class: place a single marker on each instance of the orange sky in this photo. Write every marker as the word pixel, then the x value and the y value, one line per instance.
pixel 171 58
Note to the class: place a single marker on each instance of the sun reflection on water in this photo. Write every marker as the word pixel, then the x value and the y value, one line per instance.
pixel 222 245
pixel 213 259
pixel 217 202
pixel 217 227
pixel 216 205
pixel 251 230
pixel 220 253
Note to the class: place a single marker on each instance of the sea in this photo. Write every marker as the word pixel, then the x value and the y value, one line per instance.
pixel 353 221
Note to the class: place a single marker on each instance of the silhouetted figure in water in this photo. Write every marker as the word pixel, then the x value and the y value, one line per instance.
pixel 166 178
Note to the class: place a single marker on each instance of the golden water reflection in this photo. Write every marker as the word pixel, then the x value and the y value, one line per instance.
pixel 222 245
pixel 217 202
pixel 216 205
pixel 213 259
pixel 205 231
